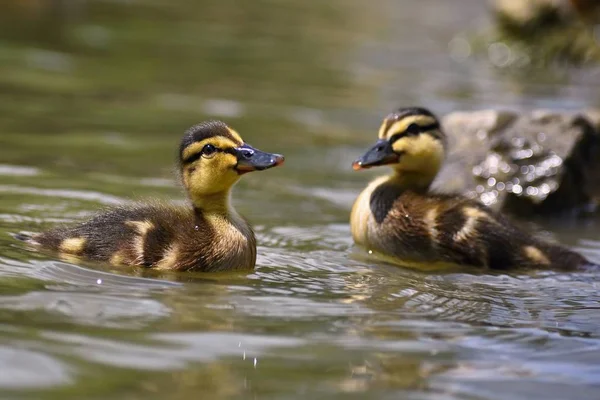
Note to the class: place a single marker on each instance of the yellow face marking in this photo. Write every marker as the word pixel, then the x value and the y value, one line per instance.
pixel 237 136
pixel 72 245
pixel 209 175
pixel 431 223
pixel 536 255
pixel 401 125
pixel 217 141
pixel 422 155
pixel 422 145
pixel 382 130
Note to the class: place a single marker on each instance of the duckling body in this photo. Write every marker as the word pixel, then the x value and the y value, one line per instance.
pixel 397 215
pixel 159 236
pixel 209 235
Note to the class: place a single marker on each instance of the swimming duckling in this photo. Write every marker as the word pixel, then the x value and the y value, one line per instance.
pixel 208 236
pixel 397 215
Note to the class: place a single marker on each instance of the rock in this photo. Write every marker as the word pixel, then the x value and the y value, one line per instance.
pixel 542 32
pixel 542 162
pixel 522 12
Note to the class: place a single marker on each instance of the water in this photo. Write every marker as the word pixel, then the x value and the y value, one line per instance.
pixel 94 97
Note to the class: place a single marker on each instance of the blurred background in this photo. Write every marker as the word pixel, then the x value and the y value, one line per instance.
pixel 94 98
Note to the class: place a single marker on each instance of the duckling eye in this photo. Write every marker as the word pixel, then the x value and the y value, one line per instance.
pixel 208 151
pixel 413 129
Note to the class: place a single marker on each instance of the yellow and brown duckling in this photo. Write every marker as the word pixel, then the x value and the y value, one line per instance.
pixel 207 236
pixel 398 217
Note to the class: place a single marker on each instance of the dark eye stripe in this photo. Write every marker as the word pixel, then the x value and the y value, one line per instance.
pixel 198 154
pixel 193 157
pixel 422 128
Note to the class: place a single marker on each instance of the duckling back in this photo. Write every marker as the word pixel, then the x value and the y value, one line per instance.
pixel 427 228
pixel 208 235
pixel 158 236
pixel 398 216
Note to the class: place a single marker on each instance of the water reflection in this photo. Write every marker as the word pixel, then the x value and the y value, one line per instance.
pixel 95 96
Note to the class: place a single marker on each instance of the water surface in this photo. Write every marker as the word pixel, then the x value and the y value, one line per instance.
pixel 94 97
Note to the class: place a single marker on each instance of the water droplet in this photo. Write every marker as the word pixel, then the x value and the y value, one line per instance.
pixel 491 182
pixel 370 251
pixel 545 188
pixel 500 186
pixel 500 54
pixel 517 189
pixel 99 281
pixel 255 361
pixel 196 227
pixel 517 141
pixel 530 177
pixel 531 191
pixel 459 48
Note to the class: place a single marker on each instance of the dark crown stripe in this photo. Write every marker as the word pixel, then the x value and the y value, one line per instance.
pixel 430 129
pixel 203 131
pixel 411 111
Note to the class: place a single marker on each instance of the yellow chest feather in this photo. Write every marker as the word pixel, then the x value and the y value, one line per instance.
pixel 361 217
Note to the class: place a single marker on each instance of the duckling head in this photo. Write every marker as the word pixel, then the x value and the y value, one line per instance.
pixel 411 142
pixel 212 157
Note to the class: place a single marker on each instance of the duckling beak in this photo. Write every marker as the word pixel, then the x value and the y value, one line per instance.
pixel 381 153
pixel 251 159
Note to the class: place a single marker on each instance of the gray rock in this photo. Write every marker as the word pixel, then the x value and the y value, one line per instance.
pixel 541 162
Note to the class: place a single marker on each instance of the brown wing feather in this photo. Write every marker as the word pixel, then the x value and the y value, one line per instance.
pixel 430 228
pixel 157 236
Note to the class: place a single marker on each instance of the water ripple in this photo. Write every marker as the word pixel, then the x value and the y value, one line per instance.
pixel 98 197
pixel 25 369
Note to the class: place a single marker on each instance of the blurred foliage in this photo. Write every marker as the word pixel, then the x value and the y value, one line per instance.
pixel 546 32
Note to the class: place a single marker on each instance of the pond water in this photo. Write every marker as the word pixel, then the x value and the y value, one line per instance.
pixel 94 97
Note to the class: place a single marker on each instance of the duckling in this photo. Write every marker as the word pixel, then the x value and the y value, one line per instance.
pixel 398 217
pixel 209 235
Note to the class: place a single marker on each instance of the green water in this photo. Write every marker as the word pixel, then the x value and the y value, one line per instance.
pixel 94 97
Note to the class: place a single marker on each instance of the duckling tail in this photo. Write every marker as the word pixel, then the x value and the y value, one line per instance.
pixel 562 258
pixel 23 237
pixel 589 267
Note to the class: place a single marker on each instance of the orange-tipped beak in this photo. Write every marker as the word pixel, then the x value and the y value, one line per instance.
pixel 356 166
pixel 381 153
